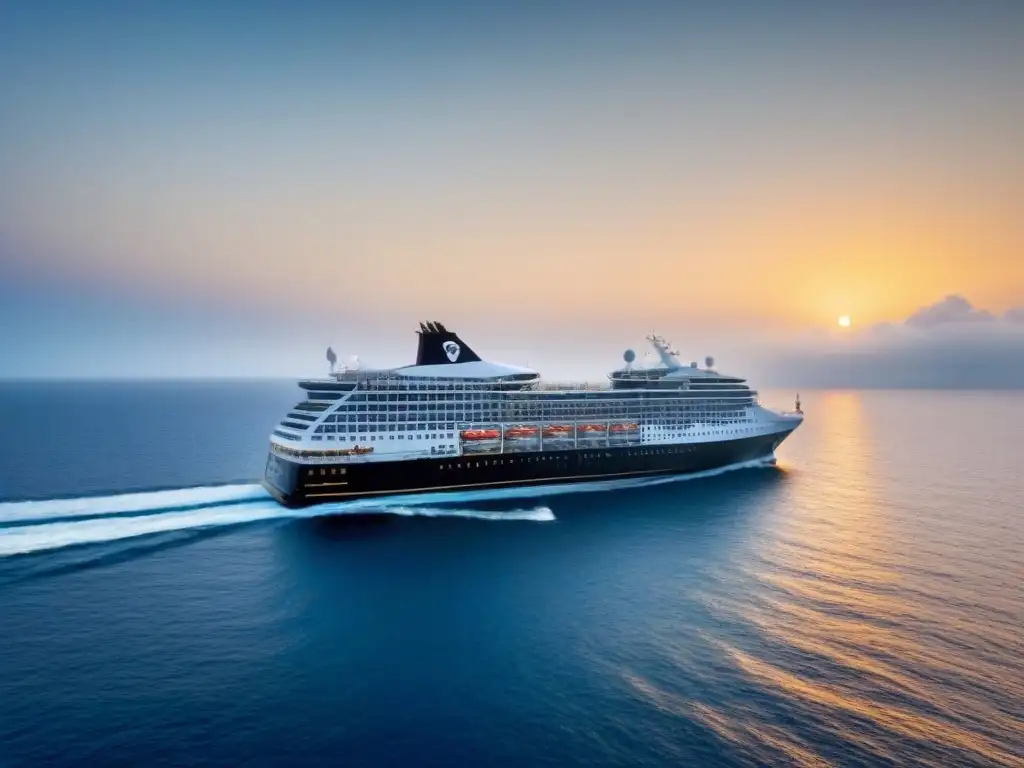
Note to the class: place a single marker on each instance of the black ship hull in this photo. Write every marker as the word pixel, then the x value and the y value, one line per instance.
pixel 296 484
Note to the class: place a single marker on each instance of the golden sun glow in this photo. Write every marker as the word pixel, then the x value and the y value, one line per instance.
pixel 844 321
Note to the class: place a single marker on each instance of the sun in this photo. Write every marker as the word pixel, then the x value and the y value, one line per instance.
pixel 844 321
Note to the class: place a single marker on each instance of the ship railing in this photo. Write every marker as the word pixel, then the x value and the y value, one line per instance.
pixel 571 386
pixel 369 380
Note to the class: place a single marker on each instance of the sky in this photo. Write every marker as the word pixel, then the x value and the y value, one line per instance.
pixel 212 189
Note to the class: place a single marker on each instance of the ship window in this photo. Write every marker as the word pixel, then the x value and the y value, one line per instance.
pixel 325 395
pixel 312 406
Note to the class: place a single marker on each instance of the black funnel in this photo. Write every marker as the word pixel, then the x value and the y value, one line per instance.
pixel 439 346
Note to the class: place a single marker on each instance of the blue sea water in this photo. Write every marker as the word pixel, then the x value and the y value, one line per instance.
pixel 861 603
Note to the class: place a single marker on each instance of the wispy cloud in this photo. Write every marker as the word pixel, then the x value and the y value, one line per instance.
pixel 951 310
pixel 1016 315
pixel 948 344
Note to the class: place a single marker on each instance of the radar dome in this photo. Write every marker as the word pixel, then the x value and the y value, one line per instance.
pixel 709 361
pixel 629 355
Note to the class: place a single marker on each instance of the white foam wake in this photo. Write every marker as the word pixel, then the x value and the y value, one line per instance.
pixel 48 536
pixel 123 503
pixel 36 538
pixel 35 526
pixel 110 518
pixel 536 515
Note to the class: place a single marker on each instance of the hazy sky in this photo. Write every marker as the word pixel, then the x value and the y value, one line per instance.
pixel 208 188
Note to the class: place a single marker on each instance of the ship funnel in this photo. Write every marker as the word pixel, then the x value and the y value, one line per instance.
pixel 439 346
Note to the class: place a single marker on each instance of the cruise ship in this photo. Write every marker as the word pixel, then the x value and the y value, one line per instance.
pixel 455 422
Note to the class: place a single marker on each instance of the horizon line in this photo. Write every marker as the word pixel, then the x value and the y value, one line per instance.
pixel 7 380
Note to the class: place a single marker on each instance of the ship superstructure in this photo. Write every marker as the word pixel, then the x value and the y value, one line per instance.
pixel 455 421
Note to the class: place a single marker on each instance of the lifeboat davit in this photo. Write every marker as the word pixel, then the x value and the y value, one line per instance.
pixel 479 434
pixel 515 432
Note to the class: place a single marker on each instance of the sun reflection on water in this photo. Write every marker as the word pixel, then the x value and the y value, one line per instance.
pixel 840 617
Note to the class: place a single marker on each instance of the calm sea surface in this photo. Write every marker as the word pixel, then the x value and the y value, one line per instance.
pixel 860 604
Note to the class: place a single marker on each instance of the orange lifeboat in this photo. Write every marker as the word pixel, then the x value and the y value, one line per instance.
pixel 557 430
pixel 359 450
pixel 479 434
pixel 515 432
pixel 592 428
pixel 624 427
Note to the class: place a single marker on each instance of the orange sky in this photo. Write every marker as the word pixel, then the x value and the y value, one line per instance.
pixel 787 258
pixel 673 167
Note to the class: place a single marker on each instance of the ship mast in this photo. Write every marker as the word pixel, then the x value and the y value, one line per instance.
pixel 669 357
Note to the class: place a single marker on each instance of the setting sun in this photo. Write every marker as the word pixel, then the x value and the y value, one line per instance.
pixel 844 321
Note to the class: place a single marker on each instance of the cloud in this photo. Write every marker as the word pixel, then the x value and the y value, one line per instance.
pixel 951 317
pixel 948 344
pixel 952 309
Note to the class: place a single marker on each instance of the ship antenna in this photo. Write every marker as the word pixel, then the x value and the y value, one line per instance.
pixel 664 350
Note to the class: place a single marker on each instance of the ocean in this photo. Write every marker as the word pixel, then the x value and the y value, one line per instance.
pixel 861 603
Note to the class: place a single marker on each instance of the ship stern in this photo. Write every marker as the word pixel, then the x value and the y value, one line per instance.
pixel 281 479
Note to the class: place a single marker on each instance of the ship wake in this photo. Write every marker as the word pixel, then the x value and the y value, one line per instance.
pixel 38 526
